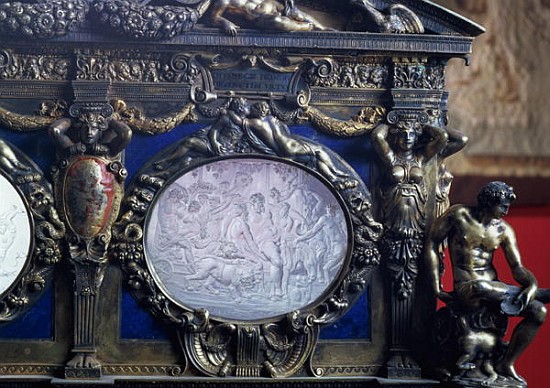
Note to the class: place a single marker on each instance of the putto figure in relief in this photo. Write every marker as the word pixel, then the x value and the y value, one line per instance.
pixel 267 133
pixel 404 194
pixel 248 128
pixel 479 301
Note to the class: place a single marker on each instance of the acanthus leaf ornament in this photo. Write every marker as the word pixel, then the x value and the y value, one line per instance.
pixel 419 75
pixel 327 72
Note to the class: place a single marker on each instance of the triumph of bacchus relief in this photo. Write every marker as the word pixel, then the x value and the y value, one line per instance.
pixel 249 238
pixel 222 191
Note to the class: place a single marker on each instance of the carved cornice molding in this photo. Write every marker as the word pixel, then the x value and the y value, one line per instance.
pixel 345 43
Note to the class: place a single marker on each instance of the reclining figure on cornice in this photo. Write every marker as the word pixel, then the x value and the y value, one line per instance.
pixel 283 15
pixel 165 19
pixel 263 14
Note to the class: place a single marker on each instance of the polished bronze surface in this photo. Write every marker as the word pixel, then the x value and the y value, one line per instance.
pixel 479 302
pixel 266 106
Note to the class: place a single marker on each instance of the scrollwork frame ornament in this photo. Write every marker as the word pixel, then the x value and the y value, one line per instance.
pixel 46 229
pixel 273 346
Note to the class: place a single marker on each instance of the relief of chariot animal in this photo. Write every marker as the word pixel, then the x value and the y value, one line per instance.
pixel 235 275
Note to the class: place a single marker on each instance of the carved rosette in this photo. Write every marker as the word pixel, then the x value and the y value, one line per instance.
pixel 279 346
pixel 143 21
pixel 41 19
pixel 47 232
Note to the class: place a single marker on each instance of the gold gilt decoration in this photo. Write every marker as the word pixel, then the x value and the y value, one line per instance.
pixel 136 119
pixel 23 123
pixel 361 124
pixel 48 112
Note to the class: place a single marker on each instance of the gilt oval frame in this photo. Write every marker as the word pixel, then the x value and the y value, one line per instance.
pixel 45 229
pixel 237 252
pixel 298 326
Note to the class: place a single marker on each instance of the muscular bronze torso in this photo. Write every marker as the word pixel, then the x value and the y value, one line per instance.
pixel 472 244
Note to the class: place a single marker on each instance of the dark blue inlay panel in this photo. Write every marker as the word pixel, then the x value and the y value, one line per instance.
pixel 35 323
pixel 144 147
pixel 136 323
pixel 37 145
pixel 355 151
pixel 354 325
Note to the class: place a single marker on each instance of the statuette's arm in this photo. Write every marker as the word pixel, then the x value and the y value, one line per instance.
pixel 118 138
pixel 440 229
pixel 381 145
pixel 438 140
pixel 456 142
pixel 521 274
pixel 58 132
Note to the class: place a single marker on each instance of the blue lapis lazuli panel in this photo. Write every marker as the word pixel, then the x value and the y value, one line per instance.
pixel 355 151
pixel 37 145
pixel 34 324
pixel 136 323
pixel 355 324
pixel 37 321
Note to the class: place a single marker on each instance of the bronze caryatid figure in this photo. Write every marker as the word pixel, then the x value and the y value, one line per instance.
pixel 478 307
pixel 404 193
pixel 405 148
pixel 88 181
